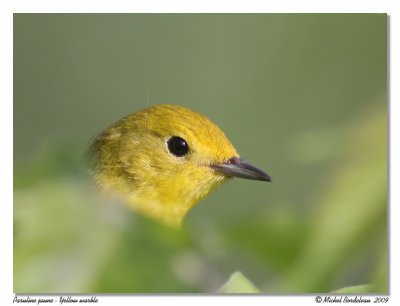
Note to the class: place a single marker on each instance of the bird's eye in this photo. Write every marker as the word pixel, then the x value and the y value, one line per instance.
pixel 178 146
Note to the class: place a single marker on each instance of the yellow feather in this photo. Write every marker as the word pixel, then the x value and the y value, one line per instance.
pixel 131 158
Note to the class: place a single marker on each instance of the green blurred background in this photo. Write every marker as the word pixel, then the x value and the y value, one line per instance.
pixel 302 96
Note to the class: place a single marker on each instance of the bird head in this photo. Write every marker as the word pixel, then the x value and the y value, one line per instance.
pixel 164 159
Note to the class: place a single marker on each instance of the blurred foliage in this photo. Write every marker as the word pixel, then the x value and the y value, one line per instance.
pixel 355 289
pixel 238 283
pixel 301 96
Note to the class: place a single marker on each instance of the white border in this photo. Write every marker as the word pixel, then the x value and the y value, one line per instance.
pixel 201 6
pixel 8 7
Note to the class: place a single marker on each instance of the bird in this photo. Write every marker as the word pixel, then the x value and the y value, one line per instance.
pixel 164 159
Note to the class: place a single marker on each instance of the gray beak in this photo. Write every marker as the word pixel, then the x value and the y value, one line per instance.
pixel 235 167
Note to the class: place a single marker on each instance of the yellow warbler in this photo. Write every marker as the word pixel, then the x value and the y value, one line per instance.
pixel 164 159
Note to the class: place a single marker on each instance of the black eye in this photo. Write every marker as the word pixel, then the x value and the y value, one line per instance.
pixel 178 146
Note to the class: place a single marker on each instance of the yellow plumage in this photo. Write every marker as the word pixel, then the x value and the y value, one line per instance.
pixel 162 160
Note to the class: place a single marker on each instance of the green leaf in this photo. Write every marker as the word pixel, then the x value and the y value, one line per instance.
pixel 238 283
pixel 368 288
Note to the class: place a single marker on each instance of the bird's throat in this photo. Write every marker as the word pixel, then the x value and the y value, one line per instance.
pixel 171 214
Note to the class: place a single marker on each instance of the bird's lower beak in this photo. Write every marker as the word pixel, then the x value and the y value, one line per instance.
pixel 236 167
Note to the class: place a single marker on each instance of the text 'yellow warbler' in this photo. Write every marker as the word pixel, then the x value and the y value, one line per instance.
pixel 164 159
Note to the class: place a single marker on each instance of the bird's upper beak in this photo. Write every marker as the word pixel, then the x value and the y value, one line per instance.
pixel 236 167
